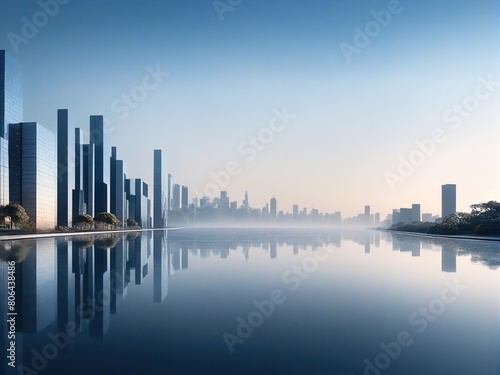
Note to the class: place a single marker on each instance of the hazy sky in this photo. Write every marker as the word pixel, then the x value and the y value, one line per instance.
pixel 231 71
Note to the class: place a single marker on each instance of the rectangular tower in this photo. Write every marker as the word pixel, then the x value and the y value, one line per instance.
pixel 448 200
pixel 102 164
pixel 33 172
pixel 62 167
pixel 159 191
pixel 11 112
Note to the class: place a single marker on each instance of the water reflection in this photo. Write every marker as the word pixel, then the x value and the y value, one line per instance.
pixel 81 280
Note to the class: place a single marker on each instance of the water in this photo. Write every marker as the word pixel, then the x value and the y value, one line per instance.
pixel 254 302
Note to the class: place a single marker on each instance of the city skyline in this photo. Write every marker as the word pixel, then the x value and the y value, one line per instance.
pixel 347 137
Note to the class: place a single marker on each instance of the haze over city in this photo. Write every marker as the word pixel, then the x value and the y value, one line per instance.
pixel 221 77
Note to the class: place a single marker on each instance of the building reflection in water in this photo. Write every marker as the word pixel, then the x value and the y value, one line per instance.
pixel 83 279
pixel 448 259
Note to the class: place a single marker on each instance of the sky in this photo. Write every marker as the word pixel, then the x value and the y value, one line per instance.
pixel 327 104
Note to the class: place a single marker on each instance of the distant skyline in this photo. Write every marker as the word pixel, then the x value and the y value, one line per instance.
pixel 209 85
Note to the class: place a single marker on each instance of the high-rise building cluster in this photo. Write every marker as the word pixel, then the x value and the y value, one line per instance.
pixel 56 180
pixel 411 215
pixel 59 178
pixel 222 210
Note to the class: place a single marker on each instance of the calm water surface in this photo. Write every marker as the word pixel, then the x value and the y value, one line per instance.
pixel 253 302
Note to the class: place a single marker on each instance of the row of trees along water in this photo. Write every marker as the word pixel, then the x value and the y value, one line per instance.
pixel 483 220
pixel 14 217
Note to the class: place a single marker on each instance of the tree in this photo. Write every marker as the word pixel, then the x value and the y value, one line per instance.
pixel 132 223
pixel 83 221
pixel 108 219
pixel 17 215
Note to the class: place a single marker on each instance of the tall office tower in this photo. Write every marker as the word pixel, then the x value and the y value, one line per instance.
pixel 78 196
pixel 274 207
pixel 415 212
pixel 367 214
pixel 159 191
pixel 377 219
pixel 245 202
pixel 32 172
pixel 448 200
pixel 185 198
pixel 295 211
pixel 117 188
pixel 11 112
pixel 141 204
pixel 102 164
pixel 89 178
pixel 130 196
pixel 170 193
pixel 224 200
pixel 62 168
pixel 176 201
pixel 396 216
pixel 405 215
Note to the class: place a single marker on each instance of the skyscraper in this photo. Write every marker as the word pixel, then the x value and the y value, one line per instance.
pixel 102 164
pixel 185 200
pixel 118 205
pixel 170 193
pixel 159 194
pixel 274 208
pixel 89 177
pixel 367 215
pixel 448 200
pixel 62 168
pixel 32 173
pixel 415 212
pixel 224 200
pixel 245 201
pixel 176 201
pixel 11 112
pixel 142 209
pixel 78 200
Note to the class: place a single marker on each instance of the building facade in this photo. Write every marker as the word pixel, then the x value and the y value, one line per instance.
pixel 102 164
pixel 78 204
pixel 448 200
pixel 32 173
pixel 160 210
pixel 11 112
pixel 118 203
pixel 62 168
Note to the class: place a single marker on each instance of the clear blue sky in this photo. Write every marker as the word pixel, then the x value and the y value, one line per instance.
pixel 226 78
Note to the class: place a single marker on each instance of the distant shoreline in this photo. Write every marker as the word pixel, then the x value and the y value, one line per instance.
pixel 451 236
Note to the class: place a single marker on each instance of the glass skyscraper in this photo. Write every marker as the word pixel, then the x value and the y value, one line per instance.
pixel 448 200
pixel 62 168
pixel 11 112
pixel 102 164
pixel 159 193
pixel 79 206
pixel 118 204
pixel 32 158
